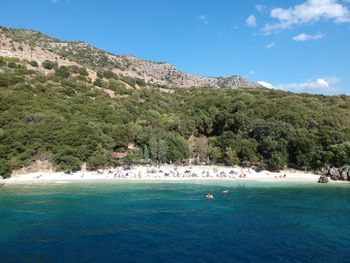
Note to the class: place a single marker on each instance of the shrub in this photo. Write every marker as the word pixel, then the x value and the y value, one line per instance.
pixel 69 164
pixel 109 74
pixel 78 70
pixel 10 59
pixel 48 64
pixel 82 71
pixel 62 72
pixel 2 62
pixel 98 82
pixel 7 80
pixel 34 64
pixel 12 65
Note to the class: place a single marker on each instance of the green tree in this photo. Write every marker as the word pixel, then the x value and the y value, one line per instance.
pixel 5 168
pixel 215 154
pixel 99 159
pixel 231 157
pixel 145 153
pixel 277 161
pixel 158 149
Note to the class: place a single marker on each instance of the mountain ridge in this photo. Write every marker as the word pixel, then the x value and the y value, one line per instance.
pixel 34 45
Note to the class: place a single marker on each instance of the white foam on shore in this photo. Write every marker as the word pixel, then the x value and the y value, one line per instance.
pixel 166 173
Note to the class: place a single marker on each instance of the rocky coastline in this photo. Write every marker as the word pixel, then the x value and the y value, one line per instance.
pixel 335 174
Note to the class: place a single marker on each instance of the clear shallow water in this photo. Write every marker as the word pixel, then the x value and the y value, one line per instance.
pixel 171 222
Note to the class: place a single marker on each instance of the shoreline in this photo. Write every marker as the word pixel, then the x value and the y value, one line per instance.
pixel 170 173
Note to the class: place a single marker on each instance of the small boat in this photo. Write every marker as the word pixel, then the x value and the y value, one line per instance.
pixel 225 192
pixel 209 196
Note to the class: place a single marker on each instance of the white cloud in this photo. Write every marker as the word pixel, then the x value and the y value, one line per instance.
pixel 271 45
pixel 251 21
pixel 265 84
pixel 308 12
pixel 320 85
pixel 305 37
pixel 260 8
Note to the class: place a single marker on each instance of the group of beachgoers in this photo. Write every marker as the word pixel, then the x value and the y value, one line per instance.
pixel 165 172
pixel 175 172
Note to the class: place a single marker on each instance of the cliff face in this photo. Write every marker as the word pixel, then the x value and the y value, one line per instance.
pixel 32 45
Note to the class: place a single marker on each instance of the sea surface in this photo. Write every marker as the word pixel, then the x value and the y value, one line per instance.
pixel 172 222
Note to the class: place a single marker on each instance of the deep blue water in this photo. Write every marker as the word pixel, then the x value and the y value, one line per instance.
pixel 158 222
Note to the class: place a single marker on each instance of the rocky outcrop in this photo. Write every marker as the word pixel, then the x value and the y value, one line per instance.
pixel 36 166
pixel 335 174
pixel 32 45
pixel 236 82
pixel 323 179
pixel 345 173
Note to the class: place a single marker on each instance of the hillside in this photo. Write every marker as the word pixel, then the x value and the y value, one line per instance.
pixel 57 115
pixel 32 45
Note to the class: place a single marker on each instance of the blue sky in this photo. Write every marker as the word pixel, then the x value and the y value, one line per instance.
pixel 300 45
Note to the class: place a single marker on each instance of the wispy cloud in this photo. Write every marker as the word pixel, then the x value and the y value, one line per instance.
pixel 319 85
pixel 271 45
pixel 203 18
pixel 308 12
pixel 260 8
pixel 251 21
pixel 305 37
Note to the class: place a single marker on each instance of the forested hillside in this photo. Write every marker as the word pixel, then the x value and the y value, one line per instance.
pixel 65 117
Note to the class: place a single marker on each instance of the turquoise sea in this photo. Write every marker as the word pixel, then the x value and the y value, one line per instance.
pixel 172 222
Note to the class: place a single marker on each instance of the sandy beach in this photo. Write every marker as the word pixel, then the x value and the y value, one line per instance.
pixel 166 173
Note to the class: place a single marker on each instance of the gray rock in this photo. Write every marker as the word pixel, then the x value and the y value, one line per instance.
pixel 334 174
pixel 345 168
pixel 344 173
pixel 325 171
pixel 323 180
pixel 344 176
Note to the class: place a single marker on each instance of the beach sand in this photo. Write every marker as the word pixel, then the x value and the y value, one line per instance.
pixel 166 173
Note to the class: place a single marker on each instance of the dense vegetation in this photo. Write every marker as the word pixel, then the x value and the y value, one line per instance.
pixel 66 118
